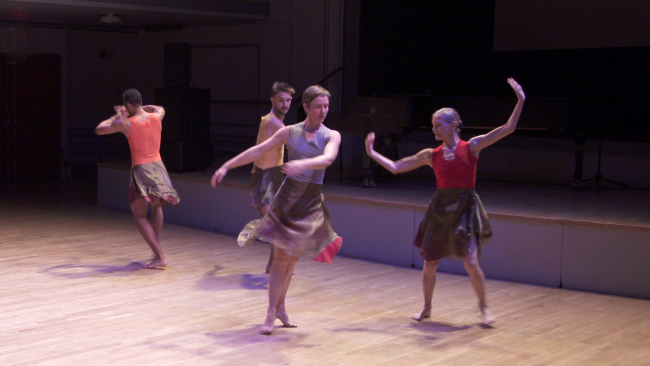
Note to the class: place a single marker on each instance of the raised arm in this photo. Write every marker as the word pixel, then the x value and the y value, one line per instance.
pixel 330 152
pixel 155 109
pixel 406 164
pixel 278 139
pixel 111 125
pixel 478 143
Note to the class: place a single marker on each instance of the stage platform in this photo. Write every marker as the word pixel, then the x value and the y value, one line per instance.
pixel 594 240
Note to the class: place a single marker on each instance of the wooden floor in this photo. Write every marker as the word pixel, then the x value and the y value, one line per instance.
pixel 73 292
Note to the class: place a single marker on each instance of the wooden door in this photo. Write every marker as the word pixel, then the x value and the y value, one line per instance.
pixel 4 120
pixel 33 109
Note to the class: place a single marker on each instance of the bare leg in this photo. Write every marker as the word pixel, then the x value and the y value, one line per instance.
pixel 477 279
pixel 265 210
pixel 268 265
pixel 281 313
pixel 139 208
pixel 157 217
pixel 428 285
pixel 278 286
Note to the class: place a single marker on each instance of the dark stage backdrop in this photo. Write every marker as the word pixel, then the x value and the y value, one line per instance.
pixel 561 24
pixel 446 48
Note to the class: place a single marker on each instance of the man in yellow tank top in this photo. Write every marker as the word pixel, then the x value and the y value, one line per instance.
pixel 150 183
pixel 267 177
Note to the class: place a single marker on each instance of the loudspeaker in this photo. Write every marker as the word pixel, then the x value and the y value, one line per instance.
pixel 186 156
pixel 187 114
pixel 178 57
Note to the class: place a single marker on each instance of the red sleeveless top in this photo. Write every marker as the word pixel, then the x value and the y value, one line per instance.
pixel 144 140
pixel 457 173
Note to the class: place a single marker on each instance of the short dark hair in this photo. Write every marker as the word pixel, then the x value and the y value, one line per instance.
pixel 279 86
pixel 133 97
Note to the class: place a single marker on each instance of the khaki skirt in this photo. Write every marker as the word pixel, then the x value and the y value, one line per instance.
pixel 151 181
pixel 455 216
pixel 297 222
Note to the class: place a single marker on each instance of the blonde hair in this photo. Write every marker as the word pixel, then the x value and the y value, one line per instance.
pixel 448 115
pixel 314 92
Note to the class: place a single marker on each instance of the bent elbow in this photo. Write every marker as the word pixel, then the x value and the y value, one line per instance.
pixel 396 168
pixel 329 160
pixel 509 129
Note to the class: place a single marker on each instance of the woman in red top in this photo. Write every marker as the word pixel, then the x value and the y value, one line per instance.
pixel 455 214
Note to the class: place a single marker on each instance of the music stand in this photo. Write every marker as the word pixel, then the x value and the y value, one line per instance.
pixel 581 184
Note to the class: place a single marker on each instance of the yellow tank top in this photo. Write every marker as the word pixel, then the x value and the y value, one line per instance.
pixel 272 158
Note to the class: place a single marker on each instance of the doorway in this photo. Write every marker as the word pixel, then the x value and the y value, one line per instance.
pixel 30 118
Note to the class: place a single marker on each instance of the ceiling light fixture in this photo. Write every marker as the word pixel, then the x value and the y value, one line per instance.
pixel 110 19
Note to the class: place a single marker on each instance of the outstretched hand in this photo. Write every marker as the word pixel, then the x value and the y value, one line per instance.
pixel 517 88
pixel 370 140
pixel 218 176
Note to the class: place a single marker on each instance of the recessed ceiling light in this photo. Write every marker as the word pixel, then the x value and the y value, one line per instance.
pixel 110 19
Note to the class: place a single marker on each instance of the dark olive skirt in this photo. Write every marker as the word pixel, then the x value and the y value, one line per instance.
pixel 264 185
pixel 297 222
pixel 455 216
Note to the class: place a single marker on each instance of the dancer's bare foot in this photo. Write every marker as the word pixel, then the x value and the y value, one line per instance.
pixel 284 318
pixel 267 327
pixel 426 313
pixel 487 316
pixel 156 263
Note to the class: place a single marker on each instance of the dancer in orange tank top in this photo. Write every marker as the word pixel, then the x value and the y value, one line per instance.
pixel 267 175
pixel 455 215
pixel 150 183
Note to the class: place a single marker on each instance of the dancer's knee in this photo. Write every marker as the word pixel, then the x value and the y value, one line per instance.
pixel 157 212
pixel 280 257
pixel 139 208
pixel 156 204
pixel 471 265
pixel 280 261
pixel 430 268
pixel 137 217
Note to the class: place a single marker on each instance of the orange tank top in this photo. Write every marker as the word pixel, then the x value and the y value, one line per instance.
pixel 144 140
pixel 272 158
